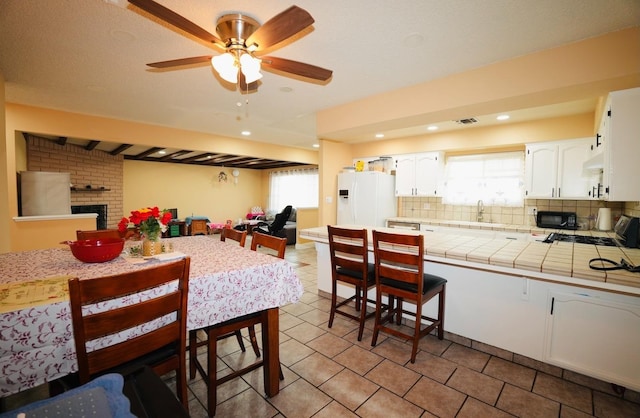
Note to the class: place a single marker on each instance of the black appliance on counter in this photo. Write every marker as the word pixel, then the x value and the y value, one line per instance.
pixel 557 220
pixel 627 231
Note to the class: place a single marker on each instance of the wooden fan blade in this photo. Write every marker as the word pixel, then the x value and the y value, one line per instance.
pixel 180 61
pixel 280 27
pixel 244 87
pixel 176 20
pixel 296 67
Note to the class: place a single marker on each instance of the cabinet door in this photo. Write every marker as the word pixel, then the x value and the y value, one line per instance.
pixel 541 170
pixel 572 182
pixel 427 171
pixel 405 175
pixel 594 336
pixel 621 167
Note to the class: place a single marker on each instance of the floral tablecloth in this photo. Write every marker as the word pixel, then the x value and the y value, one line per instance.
pixel 225 281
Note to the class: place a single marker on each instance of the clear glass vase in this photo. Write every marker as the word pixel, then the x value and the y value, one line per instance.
pixel 151 247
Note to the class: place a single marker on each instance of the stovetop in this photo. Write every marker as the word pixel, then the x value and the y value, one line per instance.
pixel 581 239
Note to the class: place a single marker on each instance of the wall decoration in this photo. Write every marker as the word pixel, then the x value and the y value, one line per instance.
pixel 222 177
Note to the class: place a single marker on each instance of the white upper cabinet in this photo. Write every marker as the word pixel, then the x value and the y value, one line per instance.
pixel 419 174
pixel 555 169
pixel 618 161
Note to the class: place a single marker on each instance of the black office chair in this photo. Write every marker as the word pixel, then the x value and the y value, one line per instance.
pixel 275 228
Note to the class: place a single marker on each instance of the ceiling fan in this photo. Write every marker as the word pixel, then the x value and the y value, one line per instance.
pixel 242 39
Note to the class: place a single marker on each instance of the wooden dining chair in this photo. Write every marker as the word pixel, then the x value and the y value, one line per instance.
pixel 399 271
pixel 98 233
pixel 219 331
pixel 276 244
pixel 151 294
pixel 232 234
pixel 241 238
pixel 349 252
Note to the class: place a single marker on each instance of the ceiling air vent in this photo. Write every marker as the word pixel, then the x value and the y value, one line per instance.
pixel 467 121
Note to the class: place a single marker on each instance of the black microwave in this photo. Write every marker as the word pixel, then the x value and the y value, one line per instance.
pixel 557 220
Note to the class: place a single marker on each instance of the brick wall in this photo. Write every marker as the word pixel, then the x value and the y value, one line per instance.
pixel 96 168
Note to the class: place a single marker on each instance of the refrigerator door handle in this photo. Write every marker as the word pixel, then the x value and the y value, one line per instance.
pixel 354 187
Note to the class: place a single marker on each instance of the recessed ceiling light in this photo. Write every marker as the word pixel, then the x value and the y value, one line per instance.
pixel 379 135
pixel 432 128
pixel 209 156
pixel 413 41
pixel 163 152
pixel 246 133
pixel 503 117
pixel 316 145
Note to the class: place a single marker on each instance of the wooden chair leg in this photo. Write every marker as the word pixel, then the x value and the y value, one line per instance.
pixel 363 314
pixel 378 318
pixel 416 333
pixel 399 312
pixel 240 340
pixel 254 340
pixel 193 352
pixel 212 397
pixel 334 302
pixel 441 313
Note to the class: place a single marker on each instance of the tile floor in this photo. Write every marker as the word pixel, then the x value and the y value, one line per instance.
pixel 328 373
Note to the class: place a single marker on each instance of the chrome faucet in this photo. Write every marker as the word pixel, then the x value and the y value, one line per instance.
pixel 480 212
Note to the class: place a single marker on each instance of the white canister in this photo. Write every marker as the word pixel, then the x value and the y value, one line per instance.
pixel 603 223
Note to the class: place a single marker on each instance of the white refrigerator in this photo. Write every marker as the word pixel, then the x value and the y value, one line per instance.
pixel 366 198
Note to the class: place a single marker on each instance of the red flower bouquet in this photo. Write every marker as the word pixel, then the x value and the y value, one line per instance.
pixel 150 221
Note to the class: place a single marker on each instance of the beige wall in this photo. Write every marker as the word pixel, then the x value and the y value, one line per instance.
pixel 193 190
pixel 576 71
pixel 543 78
pixel 334 157
pixel 19 118
pixel 491 137
pixel 305 218
pixel 34 235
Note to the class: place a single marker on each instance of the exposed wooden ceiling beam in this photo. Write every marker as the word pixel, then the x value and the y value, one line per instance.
pixel 91 145
pixel 149 152
pixel 120 149
pixel 174 155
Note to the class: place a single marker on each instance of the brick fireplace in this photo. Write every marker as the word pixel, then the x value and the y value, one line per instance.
pixel 98 169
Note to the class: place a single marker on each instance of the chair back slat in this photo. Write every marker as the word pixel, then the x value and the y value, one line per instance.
pixel 235 235
pixel 134 348
pixel 98 234
pixel 348 249
pixel 399 257
pixel 120 319
pixel 156 307
pixel 277 244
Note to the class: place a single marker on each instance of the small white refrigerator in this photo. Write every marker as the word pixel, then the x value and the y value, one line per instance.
pixel 366 198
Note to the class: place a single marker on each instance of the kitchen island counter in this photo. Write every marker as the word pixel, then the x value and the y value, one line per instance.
pixel 561 262
pixel 540 300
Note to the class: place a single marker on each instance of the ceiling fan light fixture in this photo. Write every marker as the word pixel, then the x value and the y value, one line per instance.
pixel 250 67
pixel 225 65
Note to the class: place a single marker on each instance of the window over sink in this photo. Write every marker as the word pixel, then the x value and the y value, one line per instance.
pixel 496 179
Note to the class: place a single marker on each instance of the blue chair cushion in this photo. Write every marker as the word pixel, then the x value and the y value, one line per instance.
pixel 100 398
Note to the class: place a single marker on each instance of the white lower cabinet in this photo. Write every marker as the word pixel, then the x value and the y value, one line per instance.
pixel 595 334
pixel 592 332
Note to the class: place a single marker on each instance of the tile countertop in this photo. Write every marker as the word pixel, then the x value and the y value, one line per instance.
pixel 560 262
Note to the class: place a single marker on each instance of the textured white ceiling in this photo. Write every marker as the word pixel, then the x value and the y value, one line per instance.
pixel 89 56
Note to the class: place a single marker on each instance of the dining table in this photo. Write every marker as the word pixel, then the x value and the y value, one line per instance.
pixel 226 281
